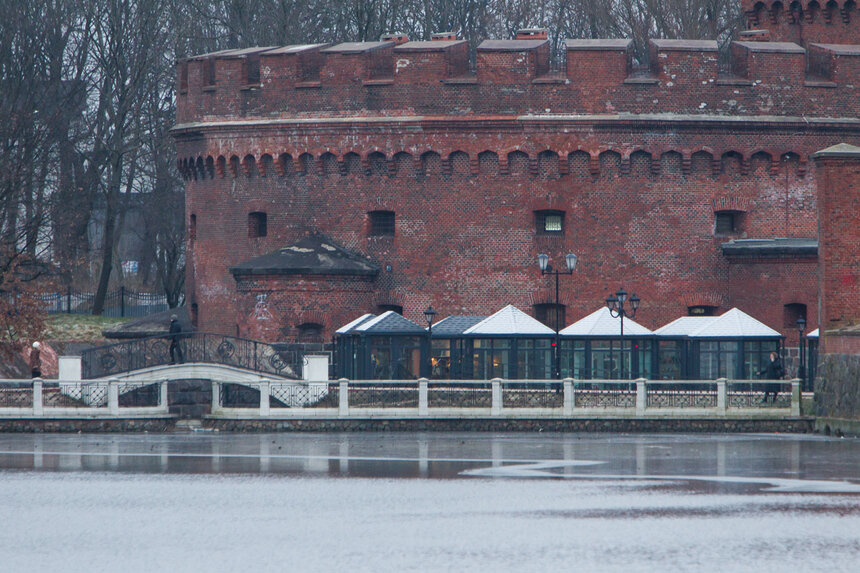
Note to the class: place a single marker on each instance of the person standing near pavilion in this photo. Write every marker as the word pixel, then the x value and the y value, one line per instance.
pixel 773 371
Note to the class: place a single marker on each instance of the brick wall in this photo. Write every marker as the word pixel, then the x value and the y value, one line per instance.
pixel 839 239
pixel 465 237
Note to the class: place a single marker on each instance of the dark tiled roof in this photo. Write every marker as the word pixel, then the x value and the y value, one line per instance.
pixel 770 247
pixel 839 150
pixel 391 323
pixel 313 255
pixel 454 325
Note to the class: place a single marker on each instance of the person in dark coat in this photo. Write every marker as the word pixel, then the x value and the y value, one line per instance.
pixel 773 371
pixel 36 360
pixel 173 334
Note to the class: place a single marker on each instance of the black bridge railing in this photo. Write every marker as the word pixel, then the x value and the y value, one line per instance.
pixel 205 347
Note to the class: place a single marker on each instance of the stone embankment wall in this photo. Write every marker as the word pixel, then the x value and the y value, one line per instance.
pixel 798 425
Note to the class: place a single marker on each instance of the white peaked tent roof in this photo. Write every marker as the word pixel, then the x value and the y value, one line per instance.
pixel 601 323
pixel 509 320
pixel 684 326
pixel 813 334
pixel 733 323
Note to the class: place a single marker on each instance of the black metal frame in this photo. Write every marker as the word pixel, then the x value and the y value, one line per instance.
pixel 202 347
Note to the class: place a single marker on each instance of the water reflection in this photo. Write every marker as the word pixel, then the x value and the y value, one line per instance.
pixel 443 455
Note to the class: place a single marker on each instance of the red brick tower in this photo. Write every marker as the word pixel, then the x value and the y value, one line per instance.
pixel 426 180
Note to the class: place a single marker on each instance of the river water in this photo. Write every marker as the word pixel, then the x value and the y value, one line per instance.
pixel 429 502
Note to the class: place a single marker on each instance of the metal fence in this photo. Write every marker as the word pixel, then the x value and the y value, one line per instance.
pixel 201 347
pixel 119 303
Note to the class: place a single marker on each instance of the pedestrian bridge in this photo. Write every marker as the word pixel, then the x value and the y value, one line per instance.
pixel 202 355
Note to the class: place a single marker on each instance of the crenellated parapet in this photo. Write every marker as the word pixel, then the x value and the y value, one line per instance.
pixel 805 21
pixel 513 77
pixel 548 164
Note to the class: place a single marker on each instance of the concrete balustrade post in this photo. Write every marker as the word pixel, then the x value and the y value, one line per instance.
pixel 162 394
pixel 423 400
pixel 38 407
pixel 795 397
pixel 343 397
pixel 113 397
pixel 641 397
pixel 568 397
pixel 496 389
pixel 216 397
pixel 265 387
pixel 722 384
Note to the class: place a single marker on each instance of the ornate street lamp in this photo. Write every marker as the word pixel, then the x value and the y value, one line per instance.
pixel 546 269
pixel 615 304
pixel 429 315
pixel 801 370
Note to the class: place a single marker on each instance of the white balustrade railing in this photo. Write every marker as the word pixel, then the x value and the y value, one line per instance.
pixel 421 398
pixel 76 399
pixel 425 398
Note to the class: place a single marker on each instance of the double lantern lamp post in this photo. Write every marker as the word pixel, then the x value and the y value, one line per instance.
pixel 615 303
pixel 547 269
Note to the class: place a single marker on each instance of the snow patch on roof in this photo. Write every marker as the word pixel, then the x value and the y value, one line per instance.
pixel 509 320
pixel 601 323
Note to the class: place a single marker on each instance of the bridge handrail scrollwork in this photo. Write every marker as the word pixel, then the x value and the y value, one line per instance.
pixel 197 347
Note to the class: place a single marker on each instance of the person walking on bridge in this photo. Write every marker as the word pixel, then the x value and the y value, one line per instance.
pixel 173 334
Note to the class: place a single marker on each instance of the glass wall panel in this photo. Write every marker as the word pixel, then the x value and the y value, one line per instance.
pixel 380 358
pixel 718 359
pixel 440 359
pixel 534 359
pixel 670 359
pixel 644 359
pixel 609 361
pixel 756 356
pixel 491 358
pixel 572 358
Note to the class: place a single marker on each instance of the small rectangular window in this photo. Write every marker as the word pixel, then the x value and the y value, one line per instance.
pixel 382 223
pixel 550 222
pixel 257 225
pixel 725 223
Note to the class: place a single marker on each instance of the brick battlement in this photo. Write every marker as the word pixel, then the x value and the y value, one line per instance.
pixel 805 21
pixel 514 77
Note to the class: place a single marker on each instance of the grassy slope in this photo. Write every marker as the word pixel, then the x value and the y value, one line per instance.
pixel 78 326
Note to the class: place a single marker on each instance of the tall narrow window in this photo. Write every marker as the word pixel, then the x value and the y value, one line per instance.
pixel 257 224
pixel 546 314
pixel 549 222
pixel 192 227
pixel 790 314
pixel 382 223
